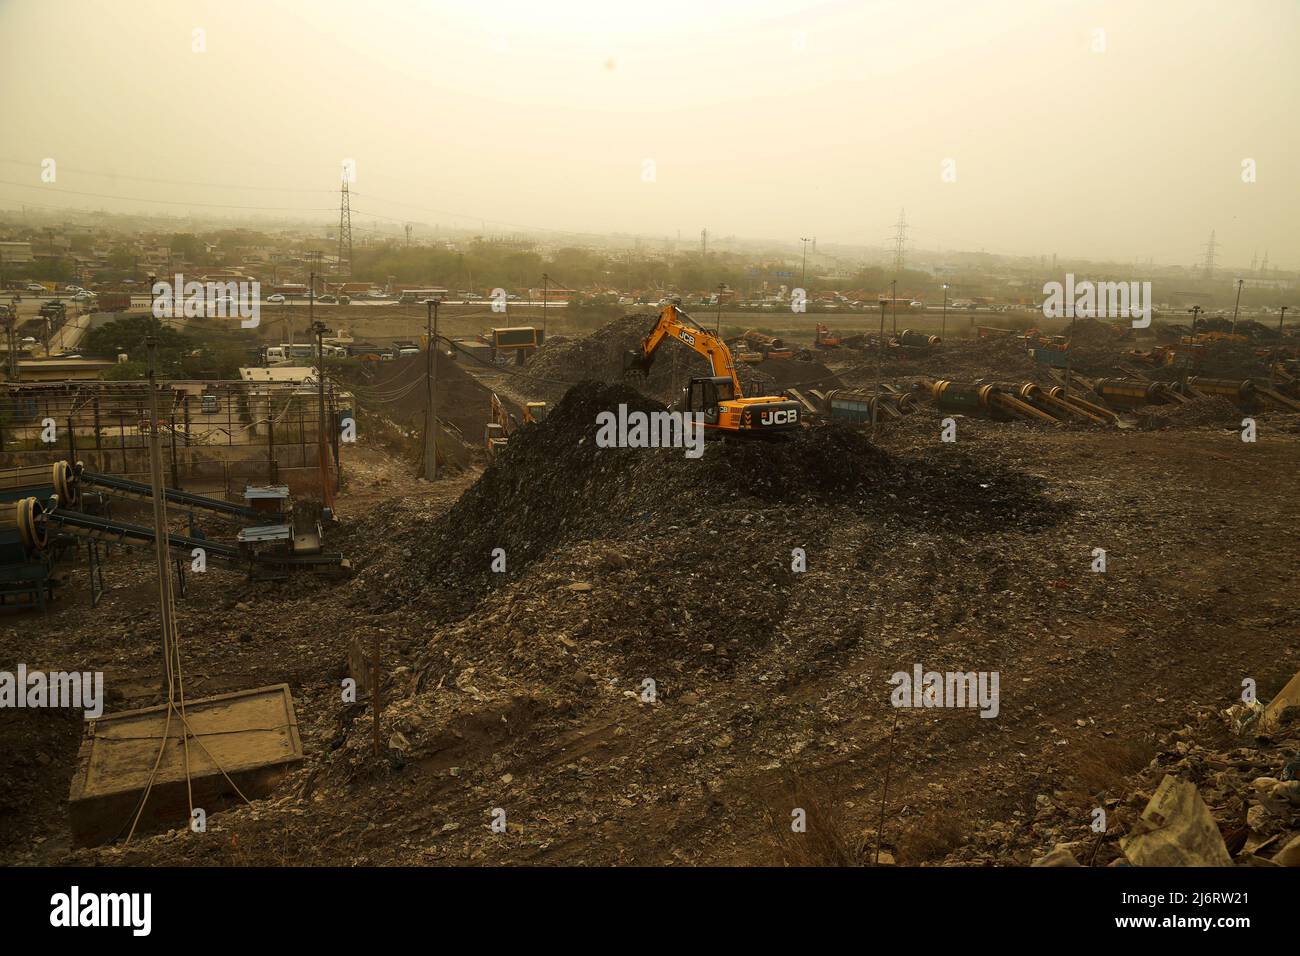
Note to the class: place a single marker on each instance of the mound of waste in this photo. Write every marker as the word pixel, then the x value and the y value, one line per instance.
pixel 399 390
pixel 552 486
pixel 1210 411
pixel 599 356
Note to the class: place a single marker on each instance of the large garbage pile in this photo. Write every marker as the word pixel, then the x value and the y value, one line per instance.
pixel 1208 411
pixel 398 390
pixel 553 486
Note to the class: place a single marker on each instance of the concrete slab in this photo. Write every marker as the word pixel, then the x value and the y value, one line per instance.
pixel 252 734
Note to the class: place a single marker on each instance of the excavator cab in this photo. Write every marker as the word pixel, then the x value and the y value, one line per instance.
pixel 706 395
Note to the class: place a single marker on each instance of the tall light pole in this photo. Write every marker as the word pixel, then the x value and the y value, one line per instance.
pixel 1277 352
pixel 1235 308
pixel 431 377
pixel 546 281
pixel 803 273
pixel 943 328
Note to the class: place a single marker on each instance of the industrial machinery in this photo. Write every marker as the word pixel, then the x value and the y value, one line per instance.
pixel 719 398
pixel 503 423
pixel 863 408
pixel 45 510
pixel 1131 393
pixel 37 526
pixel 989 399
pixel 917 340
pixel 826 339
pixel 768 346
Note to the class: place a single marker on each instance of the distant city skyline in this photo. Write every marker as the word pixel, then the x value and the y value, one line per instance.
pixel 1108 131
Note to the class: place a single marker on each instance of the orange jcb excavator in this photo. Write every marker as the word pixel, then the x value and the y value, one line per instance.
pixel 719 397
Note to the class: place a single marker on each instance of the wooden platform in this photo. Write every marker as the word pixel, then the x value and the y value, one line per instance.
pixel 252 734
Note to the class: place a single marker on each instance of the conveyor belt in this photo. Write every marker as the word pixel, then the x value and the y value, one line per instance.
pixel 175 495
pixel 122 532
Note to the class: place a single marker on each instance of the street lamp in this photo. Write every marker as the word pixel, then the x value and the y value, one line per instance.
pixel 803 274
pixel 943 329
pixel 1277 352
pixel 1240 283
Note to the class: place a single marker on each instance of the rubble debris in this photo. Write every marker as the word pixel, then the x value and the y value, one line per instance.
pixel 1176 829
pixel 1060 855
pixel 1211 410
pixel 1282 709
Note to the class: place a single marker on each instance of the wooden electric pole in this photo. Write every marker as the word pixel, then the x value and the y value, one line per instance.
pixel 161 550
pixel 431 381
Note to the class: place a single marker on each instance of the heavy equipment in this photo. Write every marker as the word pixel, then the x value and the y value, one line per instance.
pixel 826 339
pixel 917 340
pixel 719 397
pixel 504 423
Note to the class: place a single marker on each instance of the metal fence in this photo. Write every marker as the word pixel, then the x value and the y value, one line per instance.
pixel 261 426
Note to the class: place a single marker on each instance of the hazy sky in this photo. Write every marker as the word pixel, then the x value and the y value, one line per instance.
pixel 763 118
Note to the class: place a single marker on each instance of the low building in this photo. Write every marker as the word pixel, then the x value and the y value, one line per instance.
pixel 63 369
pixel 16 252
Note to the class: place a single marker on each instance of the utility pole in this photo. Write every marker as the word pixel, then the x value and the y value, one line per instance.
pixel 318 328
pixel 1235 308
pixel 803 273
pixel 880 374
pixel 717 325
pixel 943 328
pixel 161 552
pixel 893 302
pixel 10 358
pixel 1277 352
pixel 431 380
pixel 546 279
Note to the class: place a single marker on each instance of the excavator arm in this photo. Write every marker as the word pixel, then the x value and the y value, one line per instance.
pixel 718 399
pixel 676 324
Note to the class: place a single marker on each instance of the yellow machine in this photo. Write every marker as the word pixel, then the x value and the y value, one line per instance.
pixel 503 423
pixel 718 397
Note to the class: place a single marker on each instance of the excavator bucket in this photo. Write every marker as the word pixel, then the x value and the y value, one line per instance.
pixel 636 363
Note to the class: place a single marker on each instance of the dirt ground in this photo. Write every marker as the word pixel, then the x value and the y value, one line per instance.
pixel 525 691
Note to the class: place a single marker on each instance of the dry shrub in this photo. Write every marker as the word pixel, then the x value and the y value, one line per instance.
pixel 931 837
pixel 831 838
pixel 1106 766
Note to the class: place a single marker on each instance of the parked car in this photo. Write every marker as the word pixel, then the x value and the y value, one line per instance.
pixel 277 298
pixel 35 287
pixel 328 299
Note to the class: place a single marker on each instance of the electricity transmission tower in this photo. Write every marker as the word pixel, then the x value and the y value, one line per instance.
pixel 900 241
pixel 1209 256
pixel 345 232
